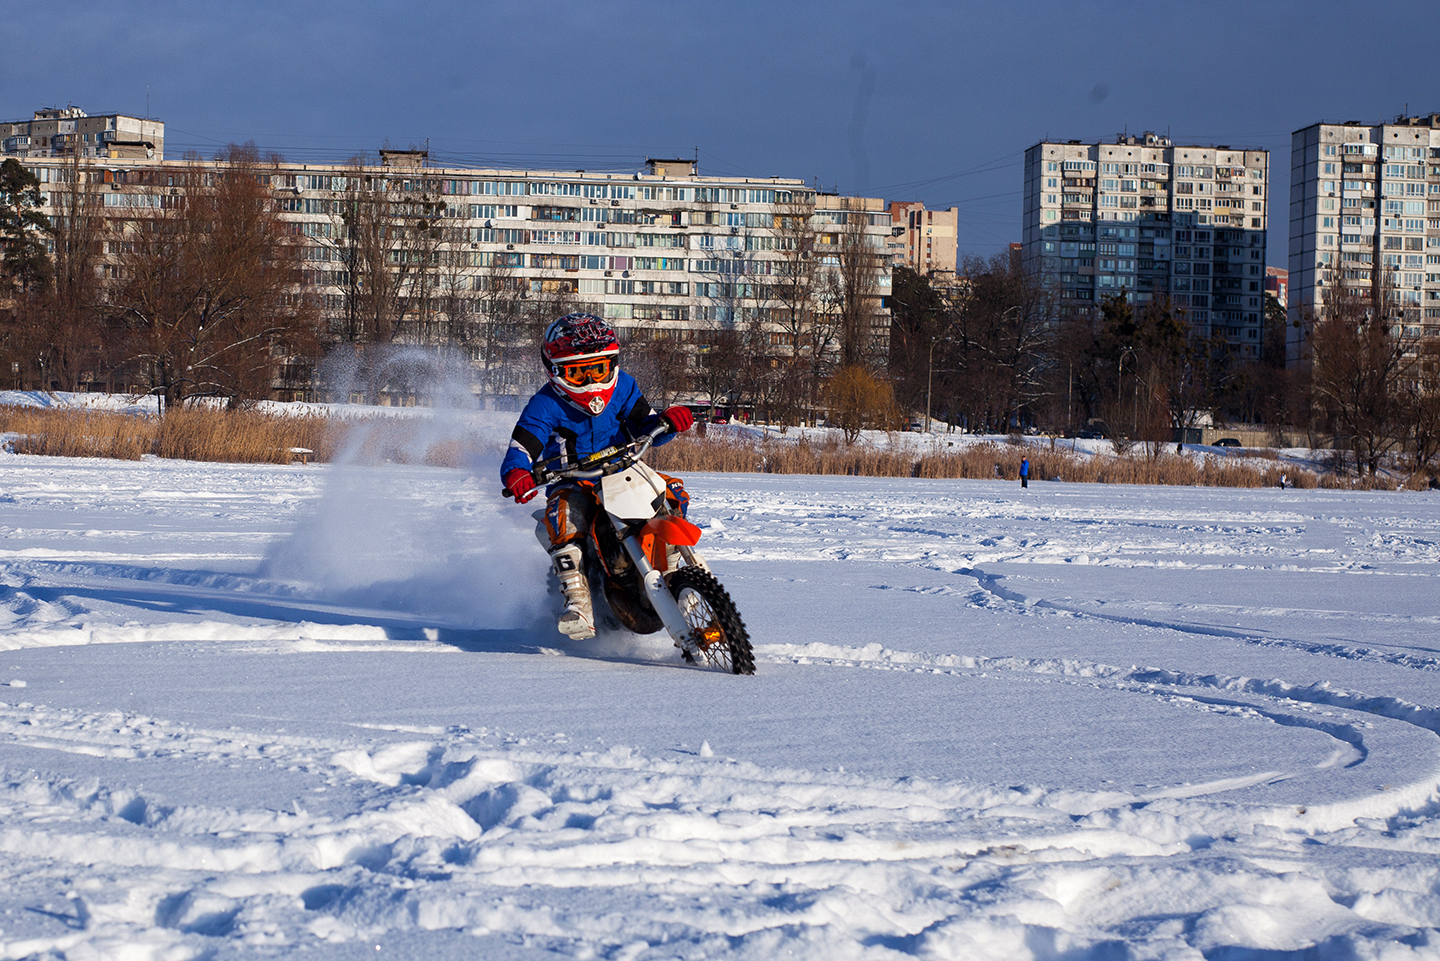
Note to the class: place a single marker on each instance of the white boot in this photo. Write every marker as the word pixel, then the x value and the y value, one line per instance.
pixel 578 620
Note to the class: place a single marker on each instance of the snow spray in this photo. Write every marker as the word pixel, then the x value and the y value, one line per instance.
pixel 391 534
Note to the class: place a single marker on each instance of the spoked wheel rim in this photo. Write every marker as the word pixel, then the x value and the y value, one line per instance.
pixel 710 640
pixel 717 632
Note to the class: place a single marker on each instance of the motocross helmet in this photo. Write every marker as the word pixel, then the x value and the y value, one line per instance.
pixel 580 352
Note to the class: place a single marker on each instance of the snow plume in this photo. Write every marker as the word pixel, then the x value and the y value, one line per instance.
pixel 418 541
pixel 445 429
pixel 437 543
pixel 439 377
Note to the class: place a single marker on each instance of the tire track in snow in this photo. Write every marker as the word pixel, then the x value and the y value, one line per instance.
pixel 1279 701
pixel 990 583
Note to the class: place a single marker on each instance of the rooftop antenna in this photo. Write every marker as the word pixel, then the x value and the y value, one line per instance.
pixel 147 101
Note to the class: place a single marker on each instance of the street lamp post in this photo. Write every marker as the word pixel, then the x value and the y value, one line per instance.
pixel 1119 375
pixel 929 379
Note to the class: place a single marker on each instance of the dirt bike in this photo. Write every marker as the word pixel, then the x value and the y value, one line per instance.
pixel 642 552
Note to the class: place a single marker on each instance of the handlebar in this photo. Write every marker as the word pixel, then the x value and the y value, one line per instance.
pixel 618 459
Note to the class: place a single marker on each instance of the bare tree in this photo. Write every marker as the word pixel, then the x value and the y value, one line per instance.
pixel 372 279
pixel 1422 406
pixel 719 367
pixel 1179 369
pixel 417 234
pixel 500 339
pixel 1363 359
pixel 793 312
pixel 761 366
pixel 851 288
pixel 74 341
pixel 659 364
pixel 207 286
pixel 997 345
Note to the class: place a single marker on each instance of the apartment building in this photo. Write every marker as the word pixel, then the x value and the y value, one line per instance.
pixel 1152 220
pixel 1365 220
pixel 924 240
pixel 662 252
pixel 67 131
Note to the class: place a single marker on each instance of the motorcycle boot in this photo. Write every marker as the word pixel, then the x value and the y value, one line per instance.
pixel 578 620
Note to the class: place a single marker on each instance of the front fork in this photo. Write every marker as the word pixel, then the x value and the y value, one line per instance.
pixel 660 597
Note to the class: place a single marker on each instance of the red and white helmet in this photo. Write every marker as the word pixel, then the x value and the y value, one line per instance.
pixel 580 353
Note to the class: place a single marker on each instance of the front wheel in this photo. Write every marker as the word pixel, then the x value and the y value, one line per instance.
pixel 721 638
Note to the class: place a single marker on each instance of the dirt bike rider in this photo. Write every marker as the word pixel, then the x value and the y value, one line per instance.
pixel 588 405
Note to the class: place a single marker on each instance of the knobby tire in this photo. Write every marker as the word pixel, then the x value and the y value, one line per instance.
pixel 707 605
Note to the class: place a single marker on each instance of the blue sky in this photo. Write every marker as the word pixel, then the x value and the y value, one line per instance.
pixel 922 100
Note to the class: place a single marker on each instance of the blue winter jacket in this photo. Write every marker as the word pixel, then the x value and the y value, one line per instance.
pixel 550 424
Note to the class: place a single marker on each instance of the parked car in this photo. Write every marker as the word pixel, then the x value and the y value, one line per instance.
pixel 1227 442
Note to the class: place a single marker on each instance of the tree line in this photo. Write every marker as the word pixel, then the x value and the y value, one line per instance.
pixel 994 352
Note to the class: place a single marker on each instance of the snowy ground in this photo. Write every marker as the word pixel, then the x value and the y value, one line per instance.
pixel 318 713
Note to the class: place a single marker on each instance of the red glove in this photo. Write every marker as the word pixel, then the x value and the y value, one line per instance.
pixel 520 485
pixel 680 418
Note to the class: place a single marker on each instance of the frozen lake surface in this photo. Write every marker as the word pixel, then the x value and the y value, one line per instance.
pixel 322 712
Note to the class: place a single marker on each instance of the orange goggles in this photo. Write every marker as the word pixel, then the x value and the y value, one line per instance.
pixel 584 372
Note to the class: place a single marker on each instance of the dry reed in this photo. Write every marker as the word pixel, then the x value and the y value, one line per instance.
pixel 975 461
pixel 190 434
pixel 77 433
pixel 239 437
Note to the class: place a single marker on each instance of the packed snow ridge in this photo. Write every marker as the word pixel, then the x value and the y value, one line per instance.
pixel 324 713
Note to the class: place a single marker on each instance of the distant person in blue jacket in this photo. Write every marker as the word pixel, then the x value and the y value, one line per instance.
pixel 1024 472
pixel 588 405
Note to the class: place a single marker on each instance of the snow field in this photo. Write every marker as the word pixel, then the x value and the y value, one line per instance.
pixel 307 712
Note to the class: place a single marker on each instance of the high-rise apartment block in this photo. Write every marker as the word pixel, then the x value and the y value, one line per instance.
pixel 925 238
pixel 1152 220
pixel 67 131
pixel 1365 220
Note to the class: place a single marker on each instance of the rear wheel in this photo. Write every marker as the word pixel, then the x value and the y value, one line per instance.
pixel 721 639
